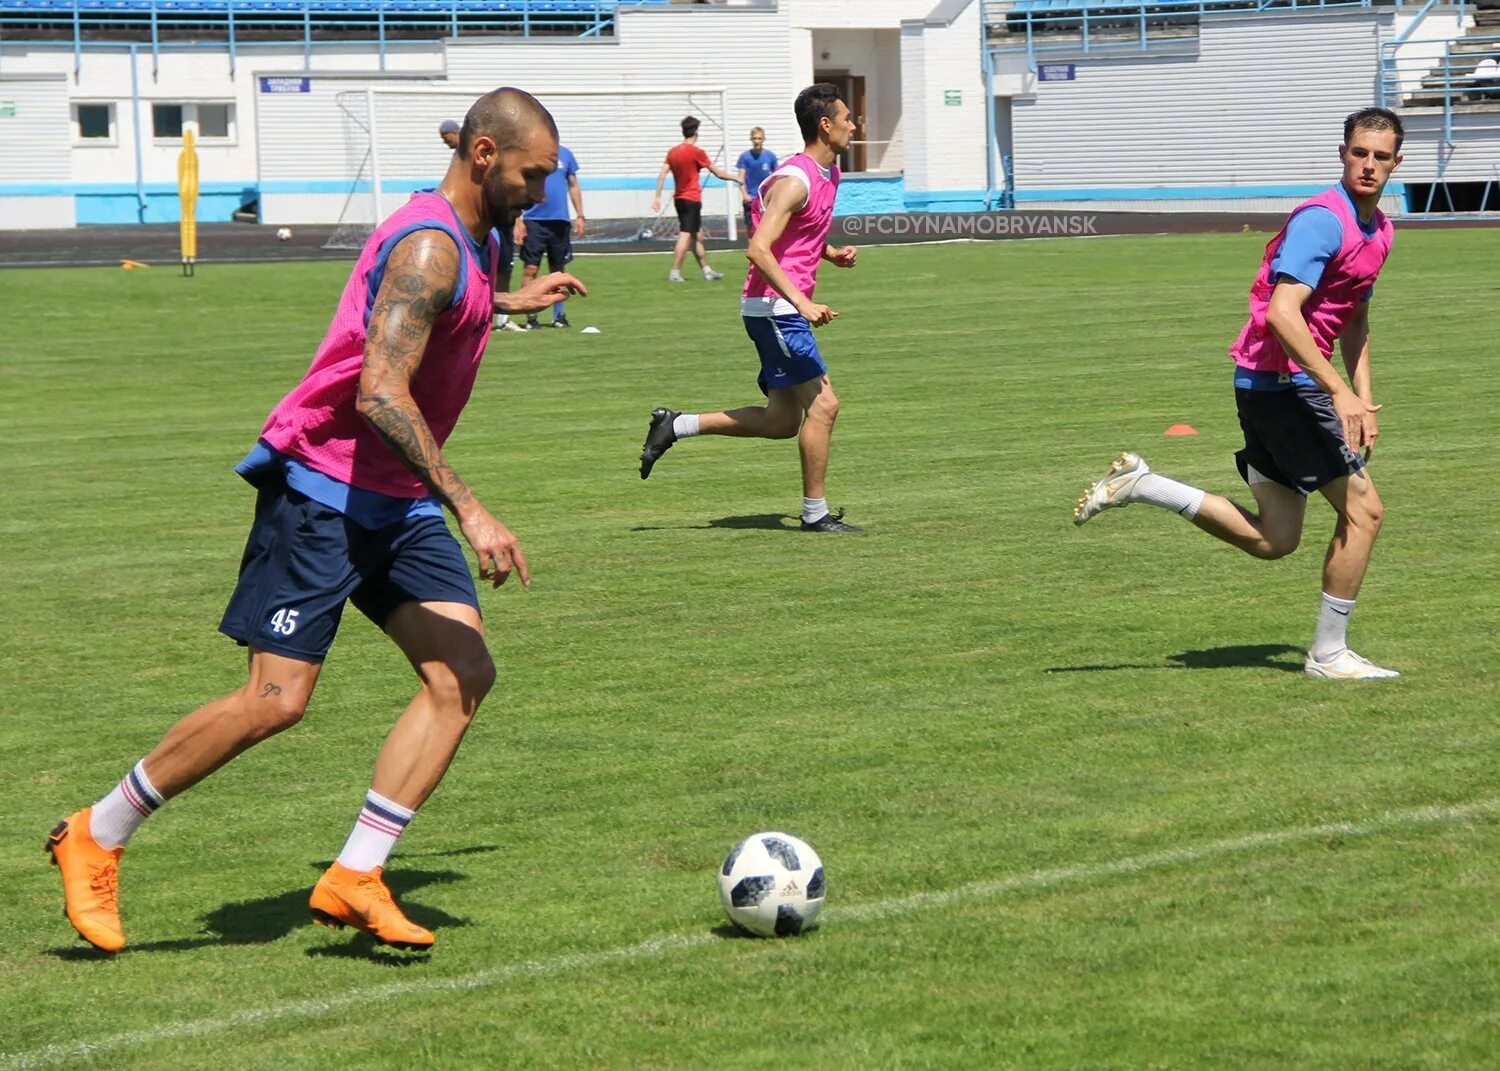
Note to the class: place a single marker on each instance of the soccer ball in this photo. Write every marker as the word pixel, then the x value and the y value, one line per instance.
pixel 646 233
pixel 284 234
pixel 772 885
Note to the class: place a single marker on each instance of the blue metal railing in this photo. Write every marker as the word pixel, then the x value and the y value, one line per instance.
pixel 1112 26
pixel 1390 79
pixel 238 24
pixel 1468 77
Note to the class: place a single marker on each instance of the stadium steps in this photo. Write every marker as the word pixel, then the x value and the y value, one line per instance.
pixel 1480 43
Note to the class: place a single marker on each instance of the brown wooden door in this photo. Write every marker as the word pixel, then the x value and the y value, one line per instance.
pixel 852 91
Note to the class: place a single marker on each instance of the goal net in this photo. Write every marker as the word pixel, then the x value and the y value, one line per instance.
pixel 620 137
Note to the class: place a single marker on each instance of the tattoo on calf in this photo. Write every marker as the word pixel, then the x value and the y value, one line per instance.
pixel 269 690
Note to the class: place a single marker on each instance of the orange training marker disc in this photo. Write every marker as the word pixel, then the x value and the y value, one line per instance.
pixel 1181 429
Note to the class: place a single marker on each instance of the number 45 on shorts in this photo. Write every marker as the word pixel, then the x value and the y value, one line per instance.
pixel 284 622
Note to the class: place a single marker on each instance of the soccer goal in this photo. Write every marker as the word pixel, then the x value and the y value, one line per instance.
pixel 620 136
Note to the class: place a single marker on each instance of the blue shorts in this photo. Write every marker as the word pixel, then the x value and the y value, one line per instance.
pixel 788 352
pixel 1293 437
pixel 304 560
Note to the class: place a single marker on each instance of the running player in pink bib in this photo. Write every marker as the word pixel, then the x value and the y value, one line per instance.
pixel 352 484
pixel 1305 429
pixel 792 212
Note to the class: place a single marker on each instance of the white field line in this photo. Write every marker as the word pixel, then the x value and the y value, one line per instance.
pixel 51 1055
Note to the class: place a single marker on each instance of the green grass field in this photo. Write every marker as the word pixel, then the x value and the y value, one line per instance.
pixel 1079 806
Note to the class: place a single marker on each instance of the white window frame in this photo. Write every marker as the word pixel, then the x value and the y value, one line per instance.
pixel 190 115
pixel 79 140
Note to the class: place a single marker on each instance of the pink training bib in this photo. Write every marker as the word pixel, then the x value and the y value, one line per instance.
pixel 1346 280
pixel 317 424
pixel 799 250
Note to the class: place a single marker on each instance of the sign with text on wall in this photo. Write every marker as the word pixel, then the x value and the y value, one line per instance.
pixel 953 97
pixel 285 85
pixel 7 109
pixel 1056 72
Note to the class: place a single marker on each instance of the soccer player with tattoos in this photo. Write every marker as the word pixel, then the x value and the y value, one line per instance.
pixel 351 486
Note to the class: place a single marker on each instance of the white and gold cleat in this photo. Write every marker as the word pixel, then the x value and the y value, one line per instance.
pixel 1347 666
pixel 1113 488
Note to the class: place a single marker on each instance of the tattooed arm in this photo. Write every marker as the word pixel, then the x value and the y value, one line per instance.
pixel 420 277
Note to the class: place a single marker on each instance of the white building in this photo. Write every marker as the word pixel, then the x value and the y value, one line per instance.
pixel 964 104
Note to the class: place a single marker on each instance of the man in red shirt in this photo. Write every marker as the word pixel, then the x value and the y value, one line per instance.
pixel 684 161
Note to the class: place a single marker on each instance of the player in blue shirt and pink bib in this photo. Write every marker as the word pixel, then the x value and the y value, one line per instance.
pixel 792 212
pixel 1305 429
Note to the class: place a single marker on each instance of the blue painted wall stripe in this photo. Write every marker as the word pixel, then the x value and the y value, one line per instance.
pixel 1167 193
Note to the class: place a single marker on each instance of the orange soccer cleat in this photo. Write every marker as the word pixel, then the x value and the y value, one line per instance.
pixel 359 898
pixel 91 881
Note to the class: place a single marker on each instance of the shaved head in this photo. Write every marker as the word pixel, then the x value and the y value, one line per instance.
pixel 508 117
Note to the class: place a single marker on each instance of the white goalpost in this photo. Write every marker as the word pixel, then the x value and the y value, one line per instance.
pixel 620 137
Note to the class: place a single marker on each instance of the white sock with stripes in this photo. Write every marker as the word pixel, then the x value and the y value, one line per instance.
pixel 119 814
pixel 380 823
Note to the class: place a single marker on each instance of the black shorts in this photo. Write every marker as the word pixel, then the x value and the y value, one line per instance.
pixel 507 250
pixel 689 215
pixel 304 560
pixel 553 237
pixel 1293 437
pixel 749 227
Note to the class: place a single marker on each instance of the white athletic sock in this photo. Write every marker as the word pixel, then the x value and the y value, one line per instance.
pixel 685 425
pixel 813 508
pixel 1159 490
pixel 501 319
pixel 1333 627
pixel 375 831
pixel 119 814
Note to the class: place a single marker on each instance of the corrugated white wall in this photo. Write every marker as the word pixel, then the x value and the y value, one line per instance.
pixel 34 149
pixel 191 75
pixel 1262 103
pixel 1474 156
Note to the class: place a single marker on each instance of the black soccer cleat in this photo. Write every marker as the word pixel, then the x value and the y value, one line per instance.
pixel 832 523
pixel 659 438
pixel 531 324
pixel 561 321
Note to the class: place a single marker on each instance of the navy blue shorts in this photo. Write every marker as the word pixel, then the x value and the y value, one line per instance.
pixel 554 237
pixel 507 251
pixel 788 352
pixel 303 560
pixel 1293 437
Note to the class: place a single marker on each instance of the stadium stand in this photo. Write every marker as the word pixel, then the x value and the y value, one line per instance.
pixel 96 21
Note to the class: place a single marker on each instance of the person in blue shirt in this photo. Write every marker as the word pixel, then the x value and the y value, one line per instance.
pixel 1313 238
pixel 755 165
pixel 548 229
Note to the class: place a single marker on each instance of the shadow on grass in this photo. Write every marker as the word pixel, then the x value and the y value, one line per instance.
pixel 1253 656
pixel 773 522
pixel 364 947
pixel 730 932
pixel 473 849
pixel 257 922
pixel 270 918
